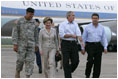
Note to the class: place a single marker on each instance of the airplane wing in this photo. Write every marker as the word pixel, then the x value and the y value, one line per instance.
pixel 84 23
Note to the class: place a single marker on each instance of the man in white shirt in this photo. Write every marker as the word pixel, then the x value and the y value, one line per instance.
pixel 69 32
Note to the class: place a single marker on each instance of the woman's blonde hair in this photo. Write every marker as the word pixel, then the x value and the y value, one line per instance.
pixel 47 19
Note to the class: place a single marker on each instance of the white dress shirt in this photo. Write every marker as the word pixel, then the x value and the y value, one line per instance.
pixel 69 28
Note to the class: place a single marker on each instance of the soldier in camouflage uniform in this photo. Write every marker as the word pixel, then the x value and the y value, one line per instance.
pixel 25 41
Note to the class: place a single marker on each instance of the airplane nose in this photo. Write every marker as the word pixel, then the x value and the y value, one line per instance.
pixel 6 29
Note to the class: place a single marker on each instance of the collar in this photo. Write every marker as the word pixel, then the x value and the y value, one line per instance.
pixel 27 20
pixel 94 26
pixel 47 31
pixel 69 22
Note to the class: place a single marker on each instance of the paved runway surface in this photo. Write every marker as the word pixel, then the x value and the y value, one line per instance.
pixel 8 59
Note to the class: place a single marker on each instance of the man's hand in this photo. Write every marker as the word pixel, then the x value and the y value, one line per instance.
pixel 83 52
pixel 82 43
pixel 36 48
pixel 74 36
pixel 69 35
pixel 41 52
pixel 105 51
pixel 15 48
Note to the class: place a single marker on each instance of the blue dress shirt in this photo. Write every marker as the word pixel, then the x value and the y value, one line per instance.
pixel 95 34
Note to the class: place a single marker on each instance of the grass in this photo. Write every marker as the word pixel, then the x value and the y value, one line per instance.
pixel 6 46
pixel 6 43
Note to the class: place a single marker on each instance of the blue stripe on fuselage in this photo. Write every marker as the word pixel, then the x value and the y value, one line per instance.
pixel 54 13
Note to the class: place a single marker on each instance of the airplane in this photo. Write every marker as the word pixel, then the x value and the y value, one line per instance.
pixel 11 11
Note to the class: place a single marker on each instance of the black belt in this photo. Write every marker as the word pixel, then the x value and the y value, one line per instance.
pixel 69 41
pixel 93 42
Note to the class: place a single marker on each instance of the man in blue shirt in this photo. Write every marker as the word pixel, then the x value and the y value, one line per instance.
pixel 95 39
pixel 38 56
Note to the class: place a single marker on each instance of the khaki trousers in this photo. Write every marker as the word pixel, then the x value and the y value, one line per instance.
pixel 49 62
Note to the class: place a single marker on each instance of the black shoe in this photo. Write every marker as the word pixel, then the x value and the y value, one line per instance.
pixel 57 70
pixel 40 71
pixel 87 77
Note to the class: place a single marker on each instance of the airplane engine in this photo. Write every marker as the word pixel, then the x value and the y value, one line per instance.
pixel 108 33
pixel 111 38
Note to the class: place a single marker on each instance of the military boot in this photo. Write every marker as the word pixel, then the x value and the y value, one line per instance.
pixel 27 76
pixel 17 74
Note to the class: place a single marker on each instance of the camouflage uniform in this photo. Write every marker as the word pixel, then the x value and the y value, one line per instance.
pixel 25 35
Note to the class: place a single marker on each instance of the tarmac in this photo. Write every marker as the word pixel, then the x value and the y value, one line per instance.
pixel 108 68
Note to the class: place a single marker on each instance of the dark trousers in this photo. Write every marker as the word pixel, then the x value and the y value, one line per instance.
pixel 94 51
pixel 70 57
pixel 38 59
